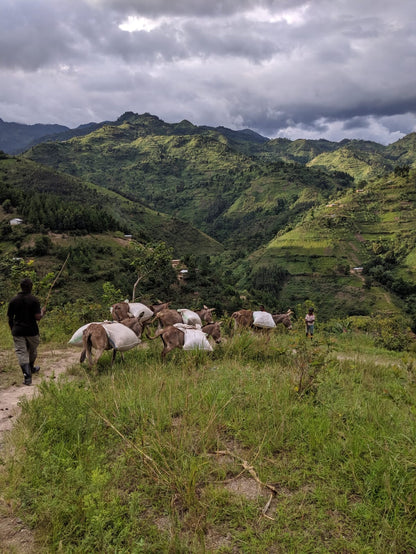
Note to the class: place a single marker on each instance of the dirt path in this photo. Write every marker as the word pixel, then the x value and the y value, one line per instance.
pixel 14 535
pixel 53 363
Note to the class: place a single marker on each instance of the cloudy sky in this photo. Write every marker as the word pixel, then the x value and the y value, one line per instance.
pixel 329 69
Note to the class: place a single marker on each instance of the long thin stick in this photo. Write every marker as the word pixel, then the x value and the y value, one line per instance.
pixel 56 278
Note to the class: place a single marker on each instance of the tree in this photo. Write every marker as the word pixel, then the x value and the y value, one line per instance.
pixel 43 244
pixel 151 260
pixel 269 278
pixel 111 294
pixel 7 206
pixel 402 170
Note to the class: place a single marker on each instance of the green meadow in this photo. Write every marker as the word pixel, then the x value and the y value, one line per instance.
pixel 271 443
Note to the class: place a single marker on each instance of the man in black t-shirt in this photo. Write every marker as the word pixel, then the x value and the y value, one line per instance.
pixel 24 312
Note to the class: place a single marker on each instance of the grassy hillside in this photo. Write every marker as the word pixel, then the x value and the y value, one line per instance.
pixel 301 150
pixel 403 151
pixel 366 159
pixel 30 186
pixel 358 163
pixel 324 256
pixel 360 159
pixel 259 445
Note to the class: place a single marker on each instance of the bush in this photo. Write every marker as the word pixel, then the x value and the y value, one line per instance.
pixel 61 322
pixel 390 331
pixel 393 333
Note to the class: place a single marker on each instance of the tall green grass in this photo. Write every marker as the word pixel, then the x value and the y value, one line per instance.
pixel 153 457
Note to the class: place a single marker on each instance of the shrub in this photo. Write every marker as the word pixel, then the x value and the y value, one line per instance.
pixel 62 322
pixel 389 331
pixel 392 333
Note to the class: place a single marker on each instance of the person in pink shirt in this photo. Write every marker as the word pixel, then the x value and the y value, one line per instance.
pixel 310 322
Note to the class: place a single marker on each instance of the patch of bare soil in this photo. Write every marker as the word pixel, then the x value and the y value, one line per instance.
pixel 247 487
pixel 15 537
pixel 216 540
pixel 53 363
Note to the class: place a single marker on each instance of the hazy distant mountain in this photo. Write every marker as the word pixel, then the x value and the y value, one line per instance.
pixel 80 131
pixel 15 137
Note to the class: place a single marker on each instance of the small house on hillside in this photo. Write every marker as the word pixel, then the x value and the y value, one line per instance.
pixel 182 271
pixel 16 221
pixel 182 275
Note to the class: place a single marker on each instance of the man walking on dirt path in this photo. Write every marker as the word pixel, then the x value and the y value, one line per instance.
pixel 24 312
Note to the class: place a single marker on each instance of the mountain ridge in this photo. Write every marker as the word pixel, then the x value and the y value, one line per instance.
pixel 312 152
pixel 362 158
pixel 199 175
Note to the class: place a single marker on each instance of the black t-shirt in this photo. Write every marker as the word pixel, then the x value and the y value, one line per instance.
pixel 21 313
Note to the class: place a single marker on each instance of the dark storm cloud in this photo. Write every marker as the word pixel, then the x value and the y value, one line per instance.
pixel 202 8
pixel 282 67
pixel 356 123
pixel 35 34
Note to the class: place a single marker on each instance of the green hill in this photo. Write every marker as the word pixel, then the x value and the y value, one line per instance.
pixel 359 158
pixel 403 151
pixel 64 215
pixel 198 174
pixel 356 162
pixel 59 202
pixel 300 150
pixel 355 255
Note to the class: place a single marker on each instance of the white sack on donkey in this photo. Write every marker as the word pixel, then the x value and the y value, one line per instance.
pixel 76 339
pixel 106 336
pixel 263 320
pixel 194 338
pixel 189 317
pixel 121 337
pixel 140 311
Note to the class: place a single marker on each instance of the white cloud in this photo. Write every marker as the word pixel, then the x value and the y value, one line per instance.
pixel 134 23
pixel 295 16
